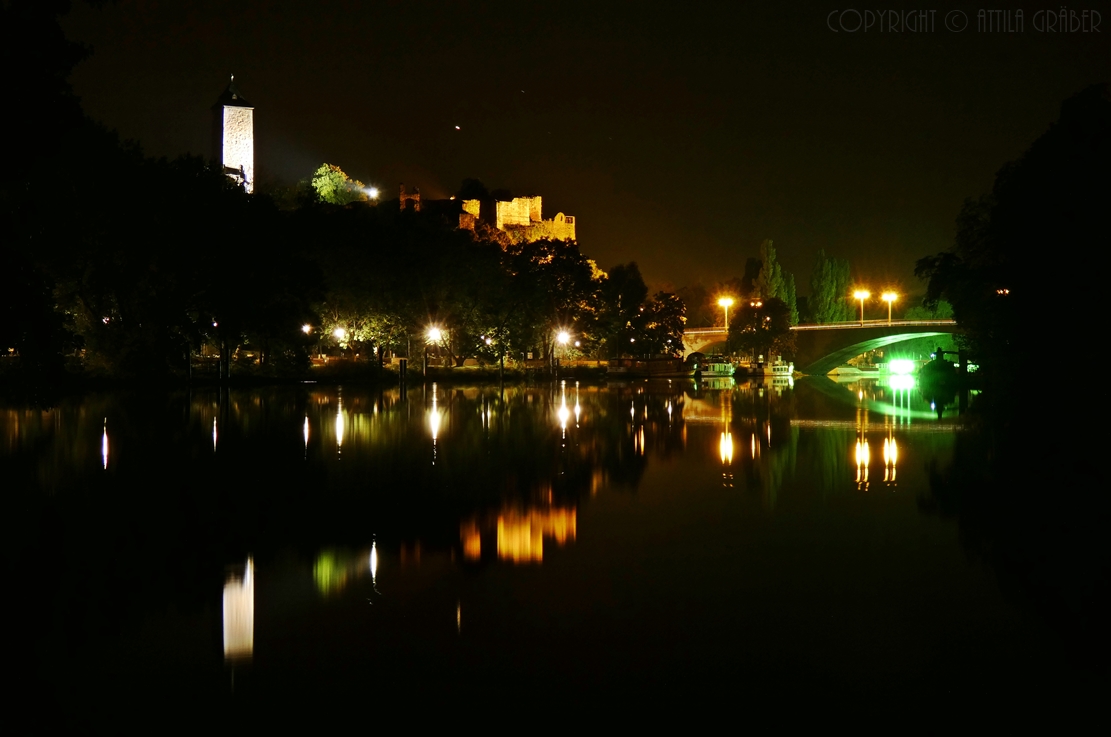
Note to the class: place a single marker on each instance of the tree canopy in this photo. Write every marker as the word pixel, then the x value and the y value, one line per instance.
pixel 1049 207
pixel 830 287
pixel 335 187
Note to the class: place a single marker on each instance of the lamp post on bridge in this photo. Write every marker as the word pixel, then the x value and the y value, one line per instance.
pixel 726 302
pixel 861 294
pixel 887 297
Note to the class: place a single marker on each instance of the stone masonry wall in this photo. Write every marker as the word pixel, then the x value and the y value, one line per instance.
pixel 239 142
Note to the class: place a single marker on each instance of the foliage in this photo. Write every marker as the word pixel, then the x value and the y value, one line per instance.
pixel 660 325
pixel 830 286
pixel 772 283
pixel 1054 197
pixel 335 187
pixel 762 329
pixel 939 310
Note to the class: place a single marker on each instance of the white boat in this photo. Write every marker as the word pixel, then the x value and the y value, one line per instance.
pixel 712 367
pixel 775 369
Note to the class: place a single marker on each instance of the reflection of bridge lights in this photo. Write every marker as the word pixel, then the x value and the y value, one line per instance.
pixel 725 448
pixel 564 415
pixel 863 458
pixel 214 434
pixel 104 444
pixel 753 445
pixel 901 381
pixel 890 459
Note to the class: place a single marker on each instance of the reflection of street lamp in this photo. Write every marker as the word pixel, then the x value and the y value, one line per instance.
pixel 861 294
pixel 889 297
pixel 726 302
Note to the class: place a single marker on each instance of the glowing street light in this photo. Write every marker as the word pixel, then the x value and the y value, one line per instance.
pixel 861 294
pixel 434 334
pixel 726 302
pixel 888 297
pixel 563 337
pixel 340 333
pixel 372 193
pixel 306 328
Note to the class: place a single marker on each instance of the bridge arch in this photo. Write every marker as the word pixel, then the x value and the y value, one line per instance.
pixel 822 348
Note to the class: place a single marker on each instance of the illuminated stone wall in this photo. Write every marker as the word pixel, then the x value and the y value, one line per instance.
pixel 238 142
pixel 410 199
pixel 521 219
pixel 516 212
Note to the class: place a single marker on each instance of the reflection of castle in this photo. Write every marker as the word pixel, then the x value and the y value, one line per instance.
pixel 520 534
pixel 519 219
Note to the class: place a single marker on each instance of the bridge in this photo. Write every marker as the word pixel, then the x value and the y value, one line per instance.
pixel 822 348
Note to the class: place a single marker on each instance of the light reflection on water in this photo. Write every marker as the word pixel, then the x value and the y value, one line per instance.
pixel 518 480
pixel 239 613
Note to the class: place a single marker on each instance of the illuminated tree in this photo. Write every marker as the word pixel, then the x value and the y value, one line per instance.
pixel 335 187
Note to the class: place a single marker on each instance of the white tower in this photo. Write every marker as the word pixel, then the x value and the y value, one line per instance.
pixel 234 136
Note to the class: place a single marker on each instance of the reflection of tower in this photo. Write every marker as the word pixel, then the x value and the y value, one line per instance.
pixel 233 125
pixel 239 614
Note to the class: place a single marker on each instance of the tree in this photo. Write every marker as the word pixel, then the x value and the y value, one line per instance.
pixel 1048 210
pixel 335 187
pixel 772 283
pixel 622 295
pixel 659 325
pixel 763 330
pixel 830 283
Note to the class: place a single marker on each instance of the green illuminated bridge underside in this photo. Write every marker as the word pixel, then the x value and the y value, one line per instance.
pixel 822 348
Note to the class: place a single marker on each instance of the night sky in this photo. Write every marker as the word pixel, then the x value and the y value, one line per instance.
pixel 681 135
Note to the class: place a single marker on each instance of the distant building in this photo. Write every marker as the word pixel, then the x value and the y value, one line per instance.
pixel 520 219
pixel 233 120
pixel 410 200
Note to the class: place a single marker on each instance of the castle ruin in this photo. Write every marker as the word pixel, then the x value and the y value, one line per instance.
pixel 520 219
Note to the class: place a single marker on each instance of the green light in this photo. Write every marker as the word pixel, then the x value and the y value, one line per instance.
pixel 901 366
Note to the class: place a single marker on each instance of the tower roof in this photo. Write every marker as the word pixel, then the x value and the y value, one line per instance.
pixel 231 97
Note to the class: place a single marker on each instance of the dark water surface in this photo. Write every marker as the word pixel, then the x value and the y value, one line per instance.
pixel 307 542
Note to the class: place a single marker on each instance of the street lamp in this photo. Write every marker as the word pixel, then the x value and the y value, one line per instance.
pixel 306 329
pixel 861 294
pixel 434 334
pixel 889 297
pixel 726 302
pixel 563 337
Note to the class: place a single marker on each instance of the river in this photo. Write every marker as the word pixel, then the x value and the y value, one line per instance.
pixel 314 541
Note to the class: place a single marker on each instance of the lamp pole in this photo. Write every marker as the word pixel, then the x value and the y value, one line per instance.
pixel 889 297
pixel 726 302
pixel 862 294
